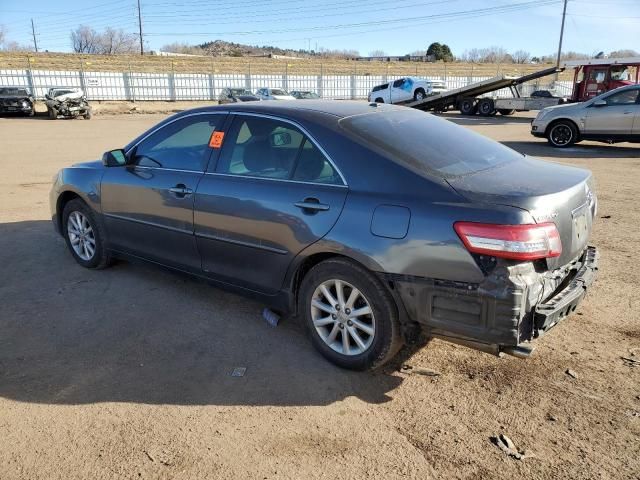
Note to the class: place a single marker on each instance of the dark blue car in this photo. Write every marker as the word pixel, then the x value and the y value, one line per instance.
pixel 375 224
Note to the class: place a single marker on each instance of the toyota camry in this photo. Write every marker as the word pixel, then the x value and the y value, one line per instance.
pixel 373 224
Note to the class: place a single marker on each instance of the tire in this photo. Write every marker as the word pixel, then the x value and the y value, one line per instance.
pixel 73 211
pixel 379 100
pixel 486 107
pixel 88 115
pixel 506 111
pixel 468 106
pixel 378 331
pixel 52 112
pixel 562 134
pixel 419 94
pixel 31 112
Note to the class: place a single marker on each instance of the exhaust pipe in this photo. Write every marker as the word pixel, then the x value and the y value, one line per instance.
pixel 519 351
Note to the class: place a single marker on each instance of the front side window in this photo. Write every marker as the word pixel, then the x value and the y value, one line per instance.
pixel 628 97
pixel 269 148
pixel 182 145
pixel 398 83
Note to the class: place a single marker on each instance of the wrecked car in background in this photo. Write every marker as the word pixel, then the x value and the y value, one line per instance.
pixel 67 102
pixel 16 100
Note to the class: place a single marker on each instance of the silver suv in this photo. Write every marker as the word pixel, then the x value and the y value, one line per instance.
pixel 611 117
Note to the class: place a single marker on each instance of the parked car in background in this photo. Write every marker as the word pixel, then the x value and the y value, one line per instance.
pixel 273 94
pixel 371 223
pixel 16 100
pixel 234 95
pixel 611 117
pixel 405 90
pixel 550 94
pixel 305 95
pixel 67 102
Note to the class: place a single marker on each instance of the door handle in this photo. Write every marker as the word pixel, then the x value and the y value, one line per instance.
pixel 312 205
pixel 626 113
pixel 181 190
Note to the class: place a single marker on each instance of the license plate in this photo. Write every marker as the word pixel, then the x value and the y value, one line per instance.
pixel 74 109
pixel 580 226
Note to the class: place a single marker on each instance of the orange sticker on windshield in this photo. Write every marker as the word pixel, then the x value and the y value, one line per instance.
pixel 216 139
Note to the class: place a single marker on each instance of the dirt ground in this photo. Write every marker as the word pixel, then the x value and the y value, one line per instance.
pixel 125 373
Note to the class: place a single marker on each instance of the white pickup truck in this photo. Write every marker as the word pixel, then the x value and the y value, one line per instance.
pixel 406 89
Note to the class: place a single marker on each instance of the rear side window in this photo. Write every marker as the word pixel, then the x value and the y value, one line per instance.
pixel 380 87
pixel 270 148
pixel 427 144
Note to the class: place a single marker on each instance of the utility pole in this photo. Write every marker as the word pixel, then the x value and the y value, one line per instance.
pixel 140 29
pixel 33 31
pixel 564 14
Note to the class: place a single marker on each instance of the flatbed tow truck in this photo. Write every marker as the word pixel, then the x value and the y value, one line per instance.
pixel 591 77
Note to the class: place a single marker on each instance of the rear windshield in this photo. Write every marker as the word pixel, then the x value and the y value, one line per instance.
pixel 14 91
pixel 275 91
pixel 427 144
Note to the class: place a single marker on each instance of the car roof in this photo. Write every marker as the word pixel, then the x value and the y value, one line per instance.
pixel 337 108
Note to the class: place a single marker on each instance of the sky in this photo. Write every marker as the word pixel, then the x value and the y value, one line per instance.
pixel 396 27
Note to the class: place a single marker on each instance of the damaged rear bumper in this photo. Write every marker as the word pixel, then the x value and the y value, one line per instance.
pixel 513 305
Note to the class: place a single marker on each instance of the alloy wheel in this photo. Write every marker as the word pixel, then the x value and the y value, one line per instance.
pixel 342 317
pixel 81 235
pixel 561 135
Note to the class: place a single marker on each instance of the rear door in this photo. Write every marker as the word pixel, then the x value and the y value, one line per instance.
pixel 272 193
pixel 614 118
pixel 148 204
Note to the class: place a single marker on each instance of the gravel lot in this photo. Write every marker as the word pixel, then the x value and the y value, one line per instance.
pixel 125 373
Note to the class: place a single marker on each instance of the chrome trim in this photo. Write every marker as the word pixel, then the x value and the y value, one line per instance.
pixel 275 179
pixel 304 131
pixel 144 167
pixel 146 222
pixel 209 236
pixel 126 152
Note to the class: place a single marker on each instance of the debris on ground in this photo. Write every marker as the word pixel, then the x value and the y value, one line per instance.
pixel 605 216
pixel 239 372
pixel 571 373
pixel 271 317
pixel 149 456
pixel 552 418
pixel 505 444
pixel 411 370
pixel 631 362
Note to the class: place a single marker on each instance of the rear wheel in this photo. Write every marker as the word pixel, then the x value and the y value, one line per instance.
pixel 379 100
pixel 468 106
pixel 84 235
pixel 350 316
pixel 486 107
pixel 562 134
pixel 507 111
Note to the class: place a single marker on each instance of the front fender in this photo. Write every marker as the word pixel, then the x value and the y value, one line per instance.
pixel 80 181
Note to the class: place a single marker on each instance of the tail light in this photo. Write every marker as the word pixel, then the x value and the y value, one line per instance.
pixel 515 242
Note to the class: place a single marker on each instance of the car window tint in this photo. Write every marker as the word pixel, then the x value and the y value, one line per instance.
pixel 260 147
pixel 183 144
pixel 313 166
pixel 628 97
pixel 398 83
pixel 427 144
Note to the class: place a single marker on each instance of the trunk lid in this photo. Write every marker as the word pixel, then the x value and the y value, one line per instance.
pixel 550 192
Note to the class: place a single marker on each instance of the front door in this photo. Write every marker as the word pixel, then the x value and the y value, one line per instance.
pixel 272 193
pixel 401 90
pixel 148 204
pixel 614 118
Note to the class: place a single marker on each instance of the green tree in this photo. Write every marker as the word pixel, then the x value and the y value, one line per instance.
pixel 440 51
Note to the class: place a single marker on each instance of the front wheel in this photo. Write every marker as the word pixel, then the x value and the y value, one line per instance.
pixel 53 113
pixel 350 316
pixel 84 235
pixel 419 94
pixel 562 134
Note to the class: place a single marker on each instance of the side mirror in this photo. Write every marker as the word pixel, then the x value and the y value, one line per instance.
pixel 114 158
pixel 600 103
pixel 280 139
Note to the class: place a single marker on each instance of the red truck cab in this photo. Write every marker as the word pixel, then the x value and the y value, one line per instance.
pixel 593 77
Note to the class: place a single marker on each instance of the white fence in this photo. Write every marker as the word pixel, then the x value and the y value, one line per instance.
pixel 134 86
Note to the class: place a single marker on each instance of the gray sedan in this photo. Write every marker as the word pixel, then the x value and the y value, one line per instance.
pixel 611 117
pixel 372 223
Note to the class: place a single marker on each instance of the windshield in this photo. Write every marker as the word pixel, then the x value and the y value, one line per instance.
pixel 427 144
pixel 240 91
pixel 308 95
pixel 14 91
pixel 276 91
